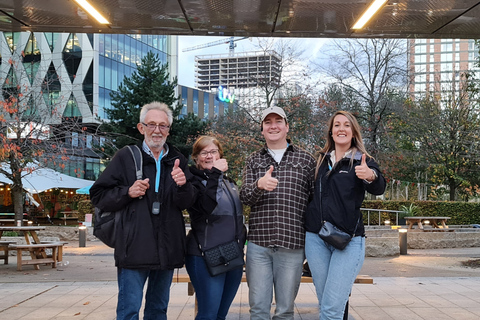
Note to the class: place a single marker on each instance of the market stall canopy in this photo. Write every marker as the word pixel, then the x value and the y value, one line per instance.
pixel 84 190
pixel 42 179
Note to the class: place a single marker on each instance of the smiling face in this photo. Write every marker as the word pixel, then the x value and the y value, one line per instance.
pixel 342 132
pixel 207 156
pixel 275 129
pixel 155 138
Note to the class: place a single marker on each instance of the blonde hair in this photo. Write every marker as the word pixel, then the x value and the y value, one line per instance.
pixel 356 143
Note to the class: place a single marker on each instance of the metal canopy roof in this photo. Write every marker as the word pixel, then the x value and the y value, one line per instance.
pixel 259 18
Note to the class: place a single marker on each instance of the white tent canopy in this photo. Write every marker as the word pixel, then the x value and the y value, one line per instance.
pixel 42 179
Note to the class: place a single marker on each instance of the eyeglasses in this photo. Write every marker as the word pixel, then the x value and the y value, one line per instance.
pixel 153 126
pixel 204 154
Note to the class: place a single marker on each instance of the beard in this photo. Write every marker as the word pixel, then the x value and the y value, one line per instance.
pixel 155 144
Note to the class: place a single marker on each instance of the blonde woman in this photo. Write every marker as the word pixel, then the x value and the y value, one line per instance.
pixel 344 172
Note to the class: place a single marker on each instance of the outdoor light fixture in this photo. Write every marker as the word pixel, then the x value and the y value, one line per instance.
pixel 82 236
pixel 387 222
pixel 374 7
pixel 402 240
pixel 427 222
pixel 92 11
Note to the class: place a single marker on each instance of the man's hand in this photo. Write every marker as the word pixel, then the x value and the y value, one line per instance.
pixel 178 175
pixel 221 164
pixel 139 188
pixel 267 182
pixel 363 171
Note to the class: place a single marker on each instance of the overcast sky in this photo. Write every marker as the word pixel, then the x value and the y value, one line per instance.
pixel 186 60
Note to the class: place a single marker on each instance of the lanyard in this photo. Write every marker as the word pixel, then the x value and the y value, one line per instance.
pixel 159 169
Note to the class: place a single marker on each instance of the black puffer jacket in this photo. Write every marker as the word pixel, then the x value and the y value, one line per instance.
pixel 146 241
pixel 339 197
pixel 213 212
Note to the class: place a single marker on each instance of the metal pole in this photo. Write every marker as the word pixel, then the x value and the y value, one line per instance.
pixel 82 236
pixel 402 238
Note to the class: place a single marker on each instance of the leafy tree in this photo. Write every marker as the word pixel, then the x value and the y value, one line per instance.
pixel 185 130
pixel 150 82
pixel 444 130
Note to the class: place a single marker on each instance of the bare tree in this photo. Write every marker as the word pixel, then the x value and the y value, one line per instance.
pixel 443 127
pixel 371 74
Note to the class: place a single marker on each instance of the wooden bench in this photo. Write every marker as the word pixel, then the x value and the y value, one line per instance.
pixel 436 222
pixel 38 254
pixel 4 247
pixel 182 278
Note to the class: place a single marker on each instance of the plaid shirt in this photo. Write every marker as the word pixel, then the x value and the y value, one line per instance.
pixel 277 217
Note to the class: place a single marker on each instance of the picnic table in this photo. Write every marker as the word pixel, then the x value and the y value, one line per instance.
pixel 34 246
pixel 436 222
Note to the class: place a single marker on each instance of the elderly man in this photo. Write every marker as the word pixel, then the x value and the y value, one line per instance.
pixel 278 181
pixel 151 240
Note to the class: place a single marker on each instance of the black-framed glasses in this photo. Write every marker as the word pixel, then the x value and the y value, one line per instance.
pixel 153 126
pixel 213 152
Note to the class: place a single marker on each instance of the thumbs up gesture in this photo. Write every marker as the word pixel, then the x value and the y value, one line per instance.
pixel 267 182
pixel 177 174
pixel 363 171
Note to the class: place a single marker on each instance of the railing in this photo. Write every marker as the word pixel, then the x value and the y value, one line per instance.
pixel 379 214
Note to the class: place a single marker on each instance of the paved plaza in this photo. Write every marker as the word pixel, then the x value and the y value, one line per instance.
pixel 425 284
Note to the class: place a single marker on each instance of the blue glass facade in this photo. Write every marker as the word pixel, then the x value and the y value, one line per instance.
pixel 119 56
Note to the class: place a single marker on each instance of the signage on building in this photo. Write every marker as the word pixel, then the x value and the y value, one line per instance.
pixel 225 95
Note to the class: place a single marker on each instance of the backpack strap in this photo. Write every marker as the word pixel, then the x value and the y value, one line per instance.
pixel 138 159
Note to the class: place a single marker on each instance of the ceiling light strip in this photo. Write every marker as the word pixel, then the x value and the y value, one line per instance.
pixel 374 7
pixel 92 11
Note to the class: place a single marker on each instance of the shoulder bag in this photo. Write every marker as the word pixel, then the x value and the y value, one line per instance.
pixel 226 256
pixel 106 223
pixel 330 233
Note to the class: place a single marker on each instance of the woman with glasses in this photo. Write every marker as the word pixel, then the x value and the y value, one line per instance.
pixel 216 218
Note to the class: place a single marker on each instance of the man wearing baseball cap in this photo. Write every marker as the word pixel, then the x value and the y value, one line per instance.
pixel 278 182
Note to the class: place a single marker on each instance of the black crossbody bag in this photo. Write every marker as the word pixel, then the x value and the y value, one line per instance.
pixel 330 233
pixel 226 256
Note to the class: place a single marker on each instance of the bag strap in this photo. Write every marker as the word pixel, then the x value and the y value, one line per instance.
pixel 138 159
pixel 230 196
pixel 321 209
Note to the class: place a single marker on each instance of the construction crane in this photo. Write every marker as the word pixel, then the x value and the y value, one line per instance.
pixel 231 42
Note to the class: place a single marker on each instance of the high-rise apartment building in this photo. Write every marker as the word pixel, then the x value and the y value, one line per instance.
pixel 437 65
pixel 237 71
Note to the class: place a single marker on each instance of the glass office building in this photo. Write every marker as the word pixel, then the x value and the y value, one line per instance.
pixel 81 71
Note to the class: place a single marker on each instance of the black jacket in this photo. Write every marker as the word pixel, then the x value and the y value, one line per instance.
pixel 213 212
pixel 146 241
pixel 339 197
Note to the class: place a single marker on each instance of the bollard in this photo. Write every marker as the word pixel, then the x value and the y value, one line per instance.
pixel 402 238
pixel 82 236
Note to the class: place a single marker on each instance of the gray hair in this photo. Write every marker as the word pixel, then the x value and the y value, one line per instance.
pixel 156 106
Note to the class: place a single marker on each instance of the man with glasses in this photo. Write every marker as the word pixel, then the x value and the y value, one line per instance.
pixel 278 181
pixel 150 240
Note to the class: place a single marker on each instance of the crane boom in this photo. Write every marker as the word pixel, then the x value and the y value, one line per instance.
pixel 215 43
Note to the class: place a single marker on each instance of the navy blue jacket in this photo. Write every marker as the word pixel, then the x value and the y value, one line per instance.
pixel 146 241
pixel 339 195
pixel 213 212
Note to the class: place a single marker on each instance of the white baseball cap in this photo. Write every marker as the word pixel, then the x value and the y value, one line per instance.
pixel 276 110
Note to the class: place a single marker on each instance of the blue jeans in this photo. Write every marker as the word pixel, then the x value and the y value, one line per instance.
pixel 130 293
pixel 214 294
pixel 268 269
pixel 334 272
